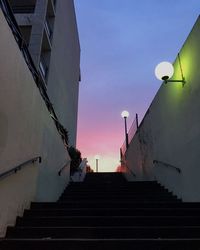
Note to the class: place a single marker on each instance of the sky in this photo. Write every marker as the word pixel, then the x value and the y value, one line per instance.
pixel 121 43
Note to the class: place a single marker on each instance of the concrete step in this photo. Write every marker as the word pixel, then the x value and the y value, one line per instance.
pixel 112 204
pixel 107 212
pixel 117 198
pixel 99 244
pixel 114 190
pixel 107 221
pixel 138 232
pixel 141 211
pixel 117 185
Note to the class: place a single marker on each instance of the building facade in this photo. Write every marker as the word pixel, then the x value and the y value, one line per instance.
pixel 50 31
pixel 33 116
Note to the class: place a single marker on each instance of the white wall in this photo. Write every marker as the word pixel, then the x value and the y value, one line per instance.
pixel 170 130
pixel 26 131
pixel 133 161
pixel 64 68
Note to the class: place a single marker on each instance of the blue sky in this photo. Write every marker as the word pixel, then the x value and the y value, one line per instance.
pixel 121 43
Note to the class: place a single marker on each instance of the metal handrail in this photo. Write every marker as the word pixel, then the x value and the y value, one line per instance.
pixel 131 171
pixel 133 174
pixel 167 165
pixel 66 164
pixel 19 167
pixel 48 29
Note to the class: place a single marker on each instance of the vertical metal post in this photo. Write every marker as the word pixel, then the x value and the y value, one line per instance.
pixel 126 133
pixel 121 155
pixel 97 165
pixel 183 78
pixel 137 121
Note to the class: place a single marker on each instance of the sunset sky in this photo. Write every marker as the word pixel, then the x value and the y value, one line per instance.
pixel 121 43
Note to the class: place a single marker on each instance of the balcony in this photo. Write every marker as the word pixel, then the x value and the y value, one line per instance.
pixel 26 32
pixel 47 36
pixel 48 29
pixel 22 6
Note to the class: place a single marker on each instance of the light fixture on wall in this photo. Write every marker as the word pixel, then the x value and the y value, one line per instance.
pixel 165 70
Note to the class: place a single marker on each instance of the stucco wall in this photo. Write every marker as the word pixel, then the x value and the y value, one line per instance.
pixel 26 131
pixel 170 130
pixel 133 161
pixel 63 78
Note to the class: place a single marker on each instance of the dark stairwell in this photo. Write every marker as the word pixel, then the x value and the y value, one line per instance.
pixel 107 212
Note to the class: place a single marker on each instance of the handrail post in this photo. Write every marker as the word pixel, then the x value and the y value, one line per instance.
pixel 137 124
pixel 121 155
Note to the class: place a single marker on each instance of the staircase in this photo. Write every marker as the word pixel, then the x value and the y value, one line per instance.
pixel 106 212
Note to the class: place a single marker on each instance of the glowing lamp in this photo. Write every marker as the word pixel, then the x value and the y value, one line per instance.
pixel 164 71
pixel 97 157
pixel 125 114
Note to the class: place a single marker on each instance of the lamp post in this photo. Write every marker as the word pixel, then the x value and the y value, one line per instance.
pixel 125 115
pixel 97 157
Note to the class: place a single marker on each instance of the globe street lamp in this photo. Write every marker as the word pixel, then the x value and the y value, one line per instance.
pixel 97 157
pixel 125 115
pixel 165 70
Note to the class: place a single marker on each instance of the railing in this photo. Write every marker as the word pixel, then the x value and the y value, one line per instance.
pixel 167 165
pixel 124 163
pixel 9 16
pixel 19 167
pixel 123 149
pixel 43 67
pixel 48 29
pixel 61 170
pixel 131 171
pixel 133 129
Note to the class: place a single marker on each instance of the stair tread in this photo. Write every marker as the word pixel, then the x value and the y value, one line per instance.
pixel 117 209
pixel 107 227
pixel 99 239
pixel 113 216
pixel 109 213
